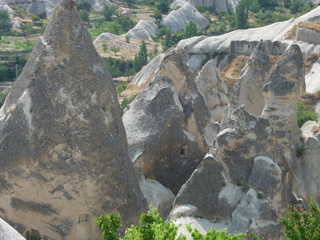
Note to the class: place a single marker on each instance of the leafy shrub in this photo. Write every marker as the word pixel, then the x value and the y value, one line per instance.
pixel 304 116
pixel 153 228
pixel 299 224
pixel 121 87
pixel 3 73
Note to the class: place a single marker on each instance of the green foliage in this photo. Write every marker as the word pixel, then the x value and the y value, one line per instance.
pixel 213 234
pixel 104 46
pixel 36 20
pixel 157 15
pixel 3 73
pixel 27 30
pixel 121 87
pixel 141 59
pixel 163 6
pixel 109 225
pixel 302 225
pixel 115 49
pixel 5 25
pixel 24 46
pixel 129 2
pixel 304 116
pixel 125 22
pixel 84 15
pixel 109 11
pixel 191 30
pixel 128 38
pixel 125 101
pixel 117 67
pixel 242 14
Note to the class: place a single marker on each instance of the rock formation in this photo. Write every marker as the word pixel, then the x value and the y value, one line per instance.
pixel 283 90
pixel 177 20
pixel 225 6
pixel 8 9
pixel 213 89
pixel 243 42
pixel 169 127
pixel 248 177
pixel 144 30
pixel 63 146
pixel 254 75
pixel 104 37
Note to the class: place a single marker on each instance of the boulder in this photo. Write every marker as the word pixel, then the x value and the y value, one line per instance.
pixel 283 90
pixel 225 6
pixel 104 37
pixel 213 89
pixel 177 20
pixel 169 127
pixel 144 30
pixel 254 75
pixel 7 232
pixel 63 145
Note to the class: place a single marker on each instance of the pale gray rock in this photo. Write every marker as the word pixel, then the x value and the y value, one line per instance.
pixel 16 23
pixel 104 37
pixel 63 145
pixel 283 90
pixel 219 5
pixel 147 72
pixel 169 127
pixel 308 35
pixel 254 75
pixel 144 30
pixel 213 89
pixel 7 232
pixel 243 42
pixel 8 9
pixel 177 20
pixel 239 181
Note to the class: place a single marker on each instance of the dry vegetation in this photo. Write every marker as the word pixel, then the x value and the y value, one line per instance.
pixel 315 25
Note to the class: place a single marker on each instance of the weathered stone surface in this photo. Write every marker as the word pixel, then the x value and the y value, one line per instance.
pixel 213 89
pixel 144 30
pixel 308 35
pixel 148 71
pixel 283 90
pixel 253 76
pixel 177 20
pixel 63 146
pixel 168 125
pixel 219 5
pixel 104 37
pixel 243 42
pixel 7 232
pixel 247 178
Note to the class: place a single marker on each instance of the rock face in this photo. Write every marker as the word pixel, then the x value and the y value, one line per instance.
pixel 45 7
pixel 7 232
pixel 144 30
pixel 308 35
pixel 177 20
pixel 213 89
pixel 308 180
pixel 283 90
pixel 248 177
pixel 169 127
pixel 219 5
pixel 8 9
pixel 254 75
pixel 104 37
pixel 63 146
pixel 243 42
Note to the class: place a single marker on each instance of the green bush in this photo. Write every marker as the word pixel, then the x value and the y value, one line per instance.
pixel 3 73
pixel 302 225
pixel 304 116
pixel 121 87
pixel 153 228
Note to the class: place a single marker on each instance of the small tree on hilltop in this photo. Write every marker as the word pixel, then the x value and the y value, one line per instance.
pixel 108 11
pixel 115 49
pixel 242 14
pixel 141 59
pixel 191 30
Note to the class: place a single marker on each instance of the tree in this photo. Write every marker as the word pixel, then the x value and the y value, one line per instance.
pixel 287 3
pixel 141 59
pixel 84 15
pixel 128 38
pixel 36 20
pixel 5 25
pixel 242 14
pixel 157 15
pixel 115 49
pixel 104 47
pixel 163 6
pixel 108 11
pixel 129 2
pixel 191 30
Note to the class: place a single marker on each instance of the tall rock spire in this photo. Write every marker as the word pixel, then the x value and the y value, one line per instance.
pixel 63 146
pixel 283 90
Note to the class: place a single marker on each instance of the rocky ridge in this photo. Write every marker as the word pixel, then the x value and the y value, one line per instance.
pixel 63 145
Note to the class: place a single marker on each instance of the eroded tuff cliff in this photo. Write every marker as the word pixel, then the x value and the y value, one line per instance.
pixel 62 142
